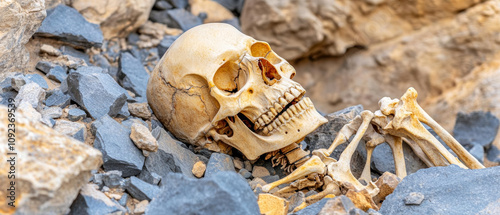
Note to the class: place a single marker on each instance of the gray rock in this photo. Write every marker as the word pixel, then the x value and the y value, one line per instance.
pixel 45 66
pixel 179 3
pixel 97 93
pixel 176 18
pixel 124 199
pixel 171 154
pixel 113 49
pixel 58 99
pixel 66 24
pixel 142 190
pixel 493 154
pixel 340 205
pixel 101 61
pixel 165 43
pixel 270 178
pixel 5 96
pixel 6 85
pixel 132 75
pixel 476 128
pixel 131 120
pixel 447 190
pixel 32 94
pixel 68 50
pixel 233 5
pixel 235 22
pixel 313 208
pixel 36 78
pixel 52 112
pixel 119 153
pixel 145 55
pixel 58 73
pixel 478 152
pixel 17 82
pixel 92 201
pixel 245 173
pixel 152 177
pixel 373 212
pixel 112 179
pixel 156 124
pixel 72 129
pixel 76 114
pixel 414 198
pixel 295 200
pixel 89 70
pixel 221 193
pixel 383 160
pixel 219 162
pixel 162 5
pixel 326 133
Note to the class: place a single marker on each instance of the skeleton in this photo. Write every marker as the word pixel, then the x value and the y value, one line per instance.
pixel 216 87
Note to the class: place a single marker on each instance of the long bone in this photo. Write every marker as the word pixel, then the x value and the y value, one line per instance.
pixel 419 152
pixel 372 139
pixel 410 104
pixel 406 124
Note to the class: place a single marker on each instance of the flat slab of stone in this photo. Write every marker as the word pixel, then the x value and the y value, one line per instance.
pixel 66 24
pixel 447 190
pixel 50 168
pixel 219 162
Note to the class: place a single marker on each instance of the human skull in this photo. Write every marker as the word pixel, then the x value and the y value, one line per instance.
pixel 215 84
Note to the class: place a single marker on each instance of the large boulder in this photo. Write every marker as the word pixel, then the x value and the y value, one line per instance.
pixel 49 167
pixel 116 18
pixel 18 22
pixel 446 190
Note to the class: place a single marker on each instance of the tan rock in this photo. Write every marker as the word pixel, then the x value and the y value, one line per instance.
pixel 50 168
pixel 117 18
pixel 259 172
pixel 19 21
pixel 238 164
pixel 272 205
pixel 215 12
pixel 139 110
pixel 256 182
pixel 300 28
pixel 361 200
pixel 199 169
pixel 336 206
pixel 142 137
pixel 386 183
pixel 365 76
pixel 141 207
pixel 248 165
pixel 50 50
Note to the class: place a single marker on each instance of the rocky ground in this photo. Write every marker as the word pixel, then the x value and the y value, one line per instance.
pixel 77 72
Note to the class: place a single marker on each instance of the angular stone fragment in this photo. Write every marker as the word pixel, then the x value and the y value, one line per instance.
pixel 76 114
pixel 57 98
pixel 313 208
pixel 97 93
pixel 112 179
pixel 92 201
pixel 176 18
pixel 447 190
pixel 199 169
pixel 259 172
pixel 45 66
pixel 119 152
pixel 219 162
pixel 386 183
pixel 142 138
pixel 53 167
pixel 72 129
pixel 414 198
pixel 141 207
pixel 361 199
pixel 272 205
pixel 140 110
pixel 245 173
pixel 66 24
pixel 165 43
pixel 142 190
pixel 222 193
pixel 132 75
pixel 476 128
pixel 77 54
pixel 36 78
pixel 58 73
pixel 337 205
pixel 32 94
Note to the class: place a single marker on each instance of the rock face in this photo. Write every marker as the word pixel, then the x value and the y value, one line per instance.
pixel 446 190
pixel 116 18
pixel 18 22
pixel 221 193
pixel 66 24
pixel 53 167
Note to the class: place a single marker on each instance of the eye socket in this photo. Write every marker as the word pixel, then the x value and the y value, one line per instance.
pixel 230 77
pixel 262 49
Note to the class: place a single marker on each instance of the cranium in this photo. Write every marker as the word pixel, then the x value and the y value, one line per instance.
pixel 215 84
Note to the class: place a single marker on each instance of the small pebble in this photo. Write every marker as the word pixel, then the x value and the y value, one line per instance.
pixel 76 114
pixel 245 173
pixel 259 171
pixel 199 169
pixel 414 198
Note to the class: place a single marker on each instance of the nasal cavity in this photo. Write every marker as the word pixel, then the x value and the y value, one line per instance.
pixel 269 72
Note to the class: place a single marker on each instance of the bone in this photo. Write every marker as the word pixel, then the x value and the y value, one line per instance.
pixel 410 104
pixel 329 187
pixel 373 139
pixel 313 165
pixel 396 144
pixel 418 151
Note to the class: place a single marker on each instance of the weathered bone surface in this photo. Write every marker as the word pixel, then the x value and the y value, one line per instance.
pixel 397 120
pixel 217 86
